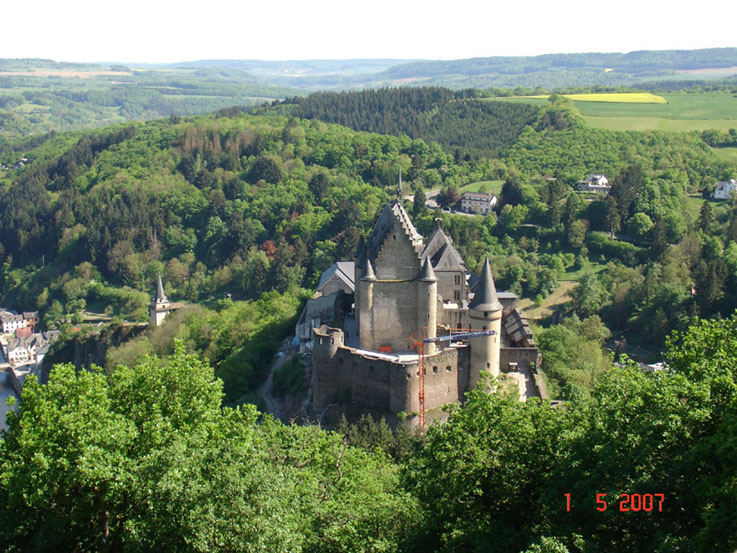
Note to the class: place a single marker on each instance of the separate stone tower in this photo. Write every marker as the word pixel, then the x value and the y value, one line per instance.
pixel 486 314
pixel 160 306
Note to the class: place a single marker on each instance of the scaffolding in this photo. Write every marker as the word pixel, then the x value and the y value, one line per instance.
pixel 419 345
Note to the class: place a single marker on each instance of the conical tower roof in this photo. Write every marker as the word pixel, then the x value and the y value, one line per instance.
pixel 428 274
pixel 160 296
pixel 368 270
pixel 485 298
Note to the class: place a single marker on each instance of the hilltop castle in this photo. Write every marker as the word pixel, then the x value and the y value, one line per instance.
pixel 404 290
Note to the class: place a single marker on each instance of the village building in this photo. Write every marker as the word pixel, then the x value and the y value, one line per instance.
pixel 160 306
pixel 725 190
pixel 407 291
pixel 594 182
pixel 26 349
pixel 10 321
pixel 478 202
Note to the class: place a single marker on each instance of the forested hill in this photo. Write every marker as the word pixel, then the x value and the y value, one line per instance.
pixel 633 63
pixel 249 204
pixel 436 114
pixel 247 207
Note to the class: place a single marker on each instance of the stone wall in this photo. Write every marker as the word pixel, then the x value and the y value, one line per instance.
pixel 335 284
pixel 11 378
pixel 342 375
pixel 398 258
pixel 527 356
pixel 393 317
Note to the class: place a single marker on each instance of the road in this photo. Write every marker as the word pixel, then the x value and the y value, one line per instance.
pixel 274 405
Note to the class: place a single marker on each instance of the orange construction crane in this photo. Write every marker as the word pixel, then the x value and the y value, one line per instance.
pixel 461 334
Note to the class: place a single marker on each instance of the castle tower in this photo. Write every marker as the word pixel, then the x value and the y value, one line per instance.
pixel 427 304
pixel 389 266
pixel 365 303
pixel 160 306
pixel 485 314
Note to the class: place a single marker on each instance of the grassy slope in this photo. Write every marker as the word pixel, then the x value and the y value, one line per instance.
pixel 683 112
pixel 485 186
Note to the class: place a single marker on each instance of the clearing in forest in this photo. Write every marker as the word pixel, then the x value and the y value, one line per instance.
pixel 558 297
pixel 614 97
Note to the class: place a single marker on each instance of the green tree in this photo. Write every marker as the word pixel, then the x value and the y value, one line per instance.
pixel 625 188
pixel 146 460
pixel 706 219
pixel 479 475
pixel 266 169
pixel 640 225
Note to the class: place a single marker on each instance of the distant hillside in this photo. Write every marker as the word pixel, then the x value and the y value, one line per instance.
pixel 560 70
pixel 632 62
pixel 431 113
pixel 39 95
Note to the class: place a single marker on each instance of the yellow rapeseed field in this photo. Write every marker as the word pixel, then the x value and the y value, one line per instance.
pixel 619 97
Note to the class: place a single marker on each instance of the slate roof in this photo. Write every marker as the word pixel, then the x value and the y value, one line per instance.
pixel 344 270
pixel 485 298
pixel 478 196
pixel 160 296
pixel 391 213
pixel 442 254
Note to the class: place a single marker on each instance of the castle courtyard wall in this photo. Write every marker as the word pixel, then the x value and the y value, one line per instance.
pixel 379 383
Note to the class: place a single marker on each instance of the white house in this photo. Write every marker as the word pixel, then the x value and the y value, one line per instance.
pixel 725 190
pixel 478 202
pixel 595 182
pixel 18 352
pixel 30 349
pixel 11 322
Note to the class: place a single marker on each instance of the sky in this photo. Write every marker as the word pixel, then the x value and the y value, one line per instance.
pixel 157 31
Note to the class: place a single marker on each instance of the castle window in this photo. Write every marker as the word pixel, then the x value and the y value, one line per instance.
pixel 394 236
pixel 448 369
pixel 488 365
pixel 457 295
pixel 457 279
pixel 483 327
pixel 435 369
pixel 340 360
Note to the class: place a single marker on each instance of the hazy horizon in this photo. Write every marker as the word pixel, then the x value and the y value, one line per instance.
pixel 84 31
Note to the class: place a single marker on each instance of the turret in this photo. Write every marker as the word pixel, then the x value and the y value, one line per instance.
pixel 427 303
pixel 365 303
pixel 485 314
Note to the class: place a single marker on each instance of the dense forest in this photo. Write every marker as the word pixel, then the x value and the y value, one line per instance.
pixel 162 447
pixel 241 205
pixel 434 114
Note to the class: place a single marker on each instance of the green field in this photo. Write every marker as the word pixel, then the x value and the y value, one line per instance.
pixel 684 112
pixel 659 124
pixel 726 154
pixel 484 186
pixel 614 97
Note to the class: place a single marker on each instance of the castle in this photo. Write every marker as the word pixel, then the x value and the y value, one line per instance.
pixel 404 291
